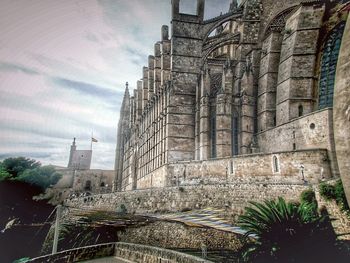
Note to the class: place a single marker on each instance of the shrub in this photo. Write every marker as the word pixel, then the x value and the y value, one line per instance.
pixel 308 196
pixel 327 191
pixel 4 175
pixel 340 197
pixel 335 192
pixel 43 176
pixel 281 229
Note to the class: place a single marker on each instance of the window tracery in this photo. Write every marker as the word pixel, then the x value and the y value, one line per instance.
pixel 328 67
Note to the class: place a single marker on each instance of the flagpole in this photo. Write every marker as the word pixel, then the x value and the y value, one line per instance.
pixel 92 135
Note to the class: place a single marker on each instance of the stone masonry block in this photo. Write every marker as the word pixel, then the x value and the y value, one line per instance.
pixel 272 43
pixel 186 64
pixel 184 82
pixel 187 47
pixel 300 42
pixel 180 144
pixel 301 87
pixel 183 119
pixel 186 29
pixel 269 63
pixel 268 83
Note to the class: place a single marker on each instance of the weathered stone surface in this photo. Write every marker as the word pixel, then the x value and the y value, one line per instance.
pixel 341 113
pixel 177 235
pixel 258 95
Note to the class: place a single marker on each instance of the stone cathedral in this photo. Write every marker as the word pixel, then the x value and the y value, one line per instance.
pixel 249 96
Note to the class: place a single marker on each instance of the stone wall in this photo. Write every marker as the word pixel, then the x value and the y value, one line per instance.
pixel 75 181
pixel 177 235
pixel 78 254
pixel 231 197
pixel 127 251
pixel 311 131
pixel 141 253
pixel 278 167
pixel 101 181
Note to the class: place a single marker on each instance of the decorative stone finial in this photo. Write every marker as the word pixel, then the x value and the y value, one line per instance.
pixel 165 32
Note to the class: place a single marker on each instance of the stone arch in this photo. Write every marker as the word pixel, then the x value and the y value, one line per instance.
pixel 278 22
pixel 209 28
pixel 231 39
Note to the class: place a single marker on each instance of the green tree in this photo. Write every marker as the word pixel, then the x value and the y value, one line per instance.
pixel 17 165
pixel 283 231
pixel 43 177
pixel 4 175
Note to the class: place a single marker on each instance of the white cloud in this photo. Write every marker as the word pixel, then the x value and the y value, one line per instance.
pixel 63 65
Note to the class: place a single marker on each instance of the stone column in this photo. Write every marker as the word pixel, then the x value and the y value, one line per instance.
pixel 150 76
pixel 268 74
pixel 157 68
pixel 297 63
pixel 139 100
pixel 247 111
pixel 204 134
pixel 186 55
pixel 165 61
pixel 223 125
pixel 144 87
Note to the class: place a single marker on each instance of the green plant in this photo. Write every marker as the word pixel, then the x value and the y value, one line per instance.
pixel 327 191
pixel 308 196
pixel 281 228
pixel 16 166
pixel 335 192
pixel 340 197
pixel 4 174
pixel 43 177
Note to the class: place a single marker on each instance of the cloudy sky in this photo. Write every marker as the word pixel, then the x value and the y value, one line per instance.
pixel 63 68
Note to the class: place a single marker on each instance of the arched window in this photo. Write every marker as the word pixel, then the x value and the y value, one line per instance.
pixel 276 166
pixel 87 185
pixel 234 135
pixel 232 167
pixel 300 110
pixel 213 131
pixel 329 66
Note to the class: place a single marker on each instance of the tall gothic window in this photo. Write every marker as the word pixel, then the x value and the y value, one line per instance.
pixel 215 86
pixel 300 110
pixel 276 166
pixel 329 66
pixel 213 130
pixel 234 136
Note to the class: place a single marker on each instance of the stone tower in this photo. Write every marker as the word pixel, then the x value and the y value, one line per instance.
pixel 79 159
pixel 73 148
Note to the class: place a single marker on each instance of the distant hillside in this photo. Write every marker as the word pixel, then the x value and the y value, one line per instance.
pixel 16 202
